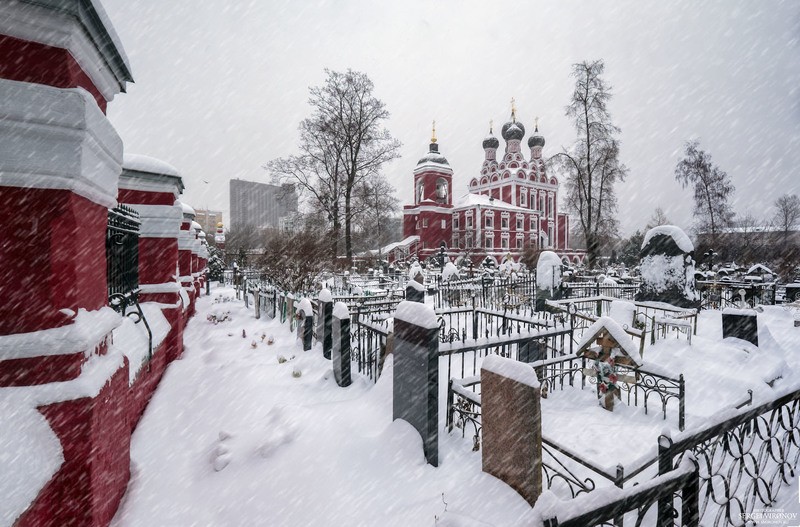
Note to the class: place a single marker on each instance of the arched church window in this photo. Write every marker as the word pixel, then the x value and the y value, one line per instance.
pixel 441 189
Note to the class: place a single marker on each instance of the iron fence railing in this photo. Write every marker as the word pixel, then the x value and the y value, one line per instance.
pixel 744 459
pixel 122 266
pixel 721 294
pixel 122 255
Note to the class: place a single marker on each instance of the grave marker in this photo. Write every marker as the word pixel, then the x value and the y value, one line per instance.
pixel 511 418
pixel 340 352
pixel 416 373
pixel 607 344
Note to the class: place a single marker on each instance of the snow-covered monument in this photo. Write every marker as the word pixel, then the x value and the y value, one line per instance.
pixel 91 236
pixel 510 206
pixel 667 268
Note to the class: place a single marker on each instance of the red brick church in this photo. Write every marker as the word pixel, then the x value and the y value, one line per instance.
pixel 511 205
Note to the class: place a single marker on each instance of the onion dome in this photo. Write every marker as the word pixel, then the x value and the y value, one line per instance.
pixel 513 130
pixel 536 139
pixel 490 141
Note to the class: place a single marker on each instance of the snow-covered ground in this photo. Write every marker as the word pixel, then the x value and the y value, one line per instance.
pixel 243 432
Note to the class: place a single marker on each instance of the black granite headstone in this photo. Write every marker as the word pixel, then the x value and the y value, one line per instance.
pixel 415 292
pixel 340 352
pixel 532 350
pixel 792 293
pixel 324 328
pixel 740 325
pixel 305 328
pixel 416 383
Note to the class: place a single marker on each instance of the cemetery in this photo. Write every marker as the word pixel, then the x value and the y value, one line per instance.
pixel 626 384
pixel 443 386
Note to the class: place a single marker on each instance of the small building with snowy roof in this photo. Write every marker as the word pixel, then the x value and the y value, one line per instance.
pixel 511 205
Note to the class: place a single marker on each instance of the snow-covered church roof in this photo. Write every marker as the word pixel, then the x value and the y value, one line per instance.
pixel 470 199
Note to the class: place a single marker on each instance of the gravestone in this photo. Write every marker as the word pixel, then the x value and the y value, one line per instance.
pixel 548 279
pixel 324 322
pixel 511 418
pixel 792 293
pixel 532 350
pixel 305 323
pixel 415 291
pixel 667 268
pixel 741 324
pixel 340 352
pixel 416 373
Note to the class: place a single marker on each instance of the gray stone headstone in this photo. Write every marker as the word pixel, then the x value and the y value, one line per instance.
pixel 340 352
pixel 416 373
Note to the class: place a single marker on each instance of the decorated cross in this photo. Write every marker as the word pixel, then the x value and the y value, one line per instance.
pixel 606 343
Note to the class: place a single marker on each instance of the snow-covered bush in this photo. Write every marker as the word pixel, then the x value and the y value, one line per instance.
pixel 450 272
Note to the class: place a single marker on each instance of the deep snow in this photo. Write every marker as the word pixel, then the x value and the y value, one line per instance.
pixel 241 432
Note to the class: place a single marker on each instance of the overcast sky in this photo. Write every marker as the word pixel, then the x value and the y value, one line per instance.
pixel 220 86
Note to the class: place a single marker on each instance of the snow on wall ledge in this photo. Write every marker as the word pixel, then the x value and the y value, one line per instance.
pixel 159 221
pixel 32 453
pixel 87 331
pixel 151 165
pixel 84 152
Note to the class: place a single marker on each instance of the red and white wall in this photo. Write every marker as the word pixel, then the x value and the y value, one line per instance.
pixel 75 376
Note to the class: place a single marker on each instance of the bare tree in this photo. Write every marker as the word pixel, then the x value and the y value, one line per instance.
pixel 592 163
pixel 787 214
pixel 375 206
pixel 712 189
pixel 658 218
pixel 342 145
pixel 294 261
pixel 747 244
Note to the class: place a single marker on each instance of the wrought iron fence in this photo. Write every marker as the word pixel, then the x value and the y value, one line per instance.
pixel 744 460
pixel 721 294
pixel 637 506
pixel 122 256
pixel 122 266
pixel 368 341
